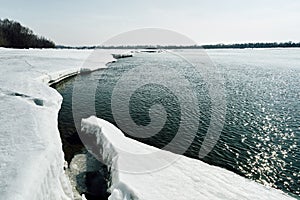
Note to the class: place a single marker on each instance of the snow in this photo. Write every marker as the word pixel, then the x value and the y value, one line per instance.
pixel 31 156
pixel 185 178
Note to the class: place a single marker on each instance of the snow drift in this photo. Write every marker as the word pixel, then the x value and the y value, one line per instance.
pixel 31 156
pixel 185 178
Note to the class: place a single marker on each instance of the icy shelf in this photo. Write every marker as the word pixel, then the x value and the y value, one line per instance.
pixel 31 156
pixel 185 178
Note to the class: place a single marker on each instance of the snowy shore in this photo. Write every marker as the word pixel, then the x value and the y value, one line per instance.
pixel 31 156
pixel 185 178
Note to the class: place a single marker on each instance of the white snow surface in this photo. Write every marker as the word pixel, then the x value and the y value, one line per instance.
pixel 31 156
pixel 185 178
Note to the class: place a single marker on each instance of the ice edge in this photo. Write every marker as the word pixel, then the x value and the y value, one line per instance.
pixel 199 181
pixel 41 182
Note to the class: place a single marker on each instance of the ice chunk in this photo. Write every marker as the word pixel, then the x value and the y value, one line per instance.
pixel 185 178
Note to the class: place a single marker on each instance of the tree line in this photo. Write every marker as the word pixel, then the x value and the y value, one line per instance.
pixel 253 45
pixel 14 35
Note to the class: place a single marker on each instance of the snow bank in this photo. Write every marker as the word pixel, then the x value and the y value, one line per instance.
pixel 185 178
pixel 31 156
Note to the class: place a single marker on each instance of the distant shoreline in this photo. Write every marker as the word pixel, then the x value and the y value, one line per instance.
pixel 215 46
pixel 212 46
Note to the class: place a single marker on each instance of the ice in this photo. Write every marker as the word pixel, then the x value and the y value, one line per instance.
pixel 83 169
pixel 185 178
pixel 31 157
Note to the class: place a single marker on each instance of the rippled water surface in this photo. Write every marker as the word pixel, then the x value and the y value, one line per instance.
pixel 261 134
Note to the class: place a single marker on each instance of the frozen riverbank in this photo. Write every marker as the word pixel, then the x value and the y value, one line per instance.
pixel 31 157
pixel 185 178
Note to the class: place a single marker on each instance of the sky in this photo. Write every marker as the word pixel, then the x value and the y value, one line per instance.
pixel 92 22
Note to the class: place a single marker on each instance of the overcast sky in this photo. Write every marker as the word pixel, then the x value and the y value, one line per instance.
pixel 91 22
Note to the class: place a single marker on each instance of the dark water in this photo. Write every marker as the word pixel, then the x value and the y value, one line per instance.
pixel 261 134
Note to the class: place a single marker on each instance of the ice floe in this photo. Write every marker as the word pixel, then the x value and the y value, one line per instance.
pixel 185 178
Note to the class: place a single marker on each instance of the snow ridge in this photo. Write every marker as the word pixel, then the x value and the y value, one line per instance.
pixel 31 157
pixel 119 190
pixel 184 179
